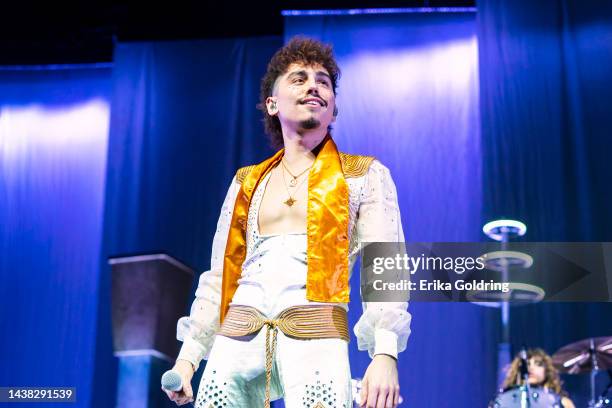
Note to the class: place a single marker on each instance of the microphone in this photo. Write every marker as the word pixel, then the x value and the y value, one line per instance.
pixel 172 381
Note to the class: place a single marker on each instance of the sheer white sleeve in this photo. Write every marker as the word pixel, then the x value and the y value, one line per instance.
pixel 197 331
pixel 384 327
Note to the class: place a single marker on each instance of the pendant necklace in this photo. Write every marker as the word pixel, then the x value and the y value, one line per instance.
pixel 293 181
pixel 290 201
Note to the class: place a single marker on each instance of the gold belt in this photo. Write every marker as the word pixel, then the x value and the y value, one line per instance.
pixel 300 322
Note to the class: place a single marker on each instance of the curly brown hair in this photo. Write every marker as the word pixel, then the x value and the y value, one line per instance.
pixel 552 380
pixel 299 49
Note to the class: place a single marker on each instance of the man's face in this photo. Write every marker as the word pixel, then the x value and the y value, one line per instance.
pixel 303 97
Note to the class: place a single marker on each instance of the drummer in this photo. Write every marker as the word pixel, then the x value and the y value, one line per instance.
pixel 542 373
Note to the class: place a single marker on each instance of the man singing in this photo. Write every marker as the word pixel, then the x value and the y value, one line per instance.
pixel 271 314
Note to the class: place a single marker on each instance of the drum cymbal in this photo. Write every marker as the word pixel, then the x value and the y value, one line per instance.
pixel 584 356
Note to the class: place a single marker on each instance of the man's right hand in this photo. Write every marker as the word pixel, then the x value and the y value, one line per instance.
pixel 184 396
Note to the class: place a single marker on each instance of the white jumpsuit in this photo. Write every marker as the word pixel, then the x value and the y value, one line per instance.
pixel 307 373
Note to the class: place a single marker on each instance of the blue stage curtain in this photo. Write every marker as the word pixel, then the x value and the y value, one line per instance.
pixel 409 96
pixel 183 121
pixel 53 139
pixel 546 81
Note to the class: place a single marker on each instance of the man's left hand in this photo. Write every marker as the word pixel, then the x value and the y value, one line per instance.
pixel 380 386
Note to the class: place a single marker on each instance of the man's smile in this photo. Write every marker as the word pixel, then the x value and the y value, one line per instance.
pixel 312 101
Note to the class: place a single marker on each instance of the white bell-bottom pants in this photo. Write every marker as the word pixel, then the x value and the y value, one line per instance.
pixel 307 373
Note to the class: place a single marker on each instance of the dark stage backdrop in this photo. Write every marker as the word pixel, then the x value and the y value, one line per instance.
pixel 409 96
pixel 53 138
pixel 183 119
pixel 546 81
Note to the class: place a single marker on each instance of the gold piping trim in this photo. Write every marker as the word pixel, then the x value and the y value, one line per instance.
pixel 354 165
pixel 242 173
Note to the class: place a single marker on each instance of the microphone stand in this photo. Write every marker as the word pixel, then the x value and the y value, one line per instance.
pixel 525 390
pixel 593 373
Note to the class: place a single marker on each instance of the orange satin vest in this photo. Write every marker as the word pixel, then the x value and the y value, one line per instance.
pixel 326 230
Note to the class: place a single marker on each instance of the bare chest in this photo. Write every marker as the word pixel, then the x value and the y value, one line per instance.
pixel 284 205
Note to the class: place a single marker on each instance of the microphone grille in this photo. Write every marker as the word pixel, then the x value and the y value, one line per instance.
pixel 171 381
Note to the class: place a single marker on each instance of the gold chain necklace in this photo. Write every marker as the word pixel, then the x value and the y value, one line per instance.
pixel 293 182
pixel 290 201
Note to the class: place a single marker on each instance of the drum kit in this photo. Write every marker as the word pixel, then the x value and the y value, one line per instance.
pixel 532 397
pixel 585 356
